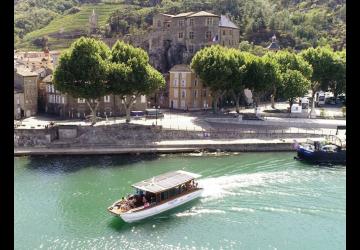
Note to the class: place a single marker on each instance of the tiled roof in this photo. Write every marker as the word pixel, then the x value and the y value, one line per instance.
pixel 25 72
pixel 48 78
pixel 183 14
pixel 180 68
pixel 202 13
pixel 225 22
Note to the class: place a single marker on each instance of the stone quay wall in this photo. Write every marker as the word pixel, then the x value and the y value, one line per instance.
pixel 130 135
pixel 34 137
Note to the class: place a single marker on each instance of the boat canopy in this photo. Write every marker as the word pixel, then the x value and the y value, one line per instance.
pixel 165 181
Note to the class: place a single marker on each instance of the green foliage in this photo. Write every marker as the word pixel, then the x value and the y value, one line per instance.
pixel 82 70
pixel 212 65
pixel 297 24
pixel 130 74
pixel 322 60
pixel 294 85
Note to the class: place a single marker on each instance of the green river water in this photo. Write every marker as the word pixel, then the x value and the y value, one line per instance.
pixel 250 201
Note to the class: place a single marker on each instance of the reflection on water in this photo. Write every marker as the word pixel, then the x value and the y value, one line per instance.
pixel 250 201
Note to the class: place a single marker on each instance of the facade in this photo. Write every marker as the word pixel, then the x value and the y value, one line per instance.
pixel 186 90
pixel 25 93
pixel 67 106
pixel 193 30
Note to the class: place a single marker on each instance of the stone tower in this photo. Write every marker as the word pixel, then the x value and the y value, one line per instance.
pixel 274 44
pixel 93 22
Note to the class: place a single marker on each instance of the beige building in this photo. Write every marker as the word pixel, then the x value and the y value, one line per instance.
pixel 67 106
pixel 192 31
pixel 25 93
pixel 186 90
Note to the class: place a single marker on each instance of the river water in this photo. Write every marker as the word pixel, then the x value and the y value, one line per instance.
pixel 250 201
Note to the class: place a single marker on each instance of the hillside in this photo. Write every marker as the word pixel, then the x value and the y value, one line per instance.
pixel 297 24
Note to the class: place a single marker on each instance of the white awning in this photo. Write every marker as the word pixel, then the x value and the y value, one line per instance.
pixel 165 181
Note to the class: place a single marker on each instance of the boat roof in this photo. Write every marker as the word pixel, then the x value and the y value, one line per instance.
pixel 165 181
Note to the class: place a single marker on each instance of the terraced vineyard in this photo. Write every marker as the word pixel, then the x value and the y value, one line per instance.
pixel 64 30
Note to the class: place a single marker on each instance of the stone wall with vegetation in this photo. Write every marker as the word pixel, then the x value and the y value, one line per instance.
pixel 132 135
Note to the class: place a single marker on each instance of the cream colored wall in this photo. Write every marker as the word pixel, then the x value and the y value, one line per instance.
pixel 190 101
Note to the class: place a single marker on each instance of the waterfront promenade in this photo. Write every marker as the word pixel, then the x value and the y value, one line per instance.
pixel 173 146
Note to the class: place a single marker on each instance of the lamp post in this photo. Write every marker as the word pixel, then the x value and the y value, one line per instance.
pixel 155 110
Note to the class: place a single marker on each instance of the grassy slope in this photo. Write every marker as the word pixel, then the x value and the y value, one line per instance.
pixel 74 22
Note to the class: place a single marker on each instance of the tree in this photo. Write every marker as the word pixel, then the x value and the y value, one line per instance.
pixel 294 84
pixel 322 61
pixel 288 61
pixel 130 75
pixel 237 65
pixel 338 84
pixel 211 64
pixel 82 72
pixel 261 73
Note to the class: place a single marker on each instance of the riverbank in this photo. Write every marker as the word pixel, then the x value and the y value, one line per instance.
pixel 174 146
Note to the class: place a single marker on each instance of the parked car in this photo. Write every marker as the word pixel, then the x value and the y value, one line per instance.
pixel 153 113
pixel 137 114
pixel 330 100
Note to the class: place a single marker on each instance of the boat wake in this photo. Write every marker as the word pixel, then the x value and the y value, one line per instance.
pixel 232 185
pixel 195 211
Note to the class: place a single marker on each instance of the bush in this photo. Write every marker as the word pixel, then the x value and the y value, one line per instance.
pixel 322 113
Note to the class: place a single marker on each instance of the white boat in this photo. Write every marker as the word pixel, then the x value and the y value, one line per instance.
pixel 157 195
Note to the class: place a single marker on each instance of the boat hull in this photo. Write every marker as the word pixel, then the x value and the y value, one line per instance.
pixel 133 216
pixel 321 156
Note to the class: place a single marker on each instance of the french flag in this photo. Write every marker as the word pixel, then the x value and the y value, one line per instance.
pixel 215 38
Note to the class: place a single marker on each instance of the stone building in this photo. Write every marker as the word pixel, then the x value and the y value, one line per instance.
pixel 93 23
pixel 186 90
pixel 67 106
pixel 174 39
pixel 25 93
pixel 274 45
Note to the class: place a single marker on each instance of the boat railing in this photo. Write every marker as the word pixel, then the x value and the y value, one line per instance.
pixel 164 201
pixel 336 140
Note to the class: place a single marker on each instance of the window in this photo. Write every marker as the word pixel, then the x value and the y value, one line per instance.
pixel 208 35
pixel 183 83
pixel 181 35
pixel 57 99
pixel 107 98
pixel 195 93
pixel 168 25
pixel 183 94
pixel 175 82
pixel 181 23
pixel 191 35
pixel 63 99
pixel 209 21
pixel 52 88
pixel 176 93
pixel 224 32
pixel 191 48
pixel 191 22
pixel 81 100
pixel 195 82
pixel 142 99
pixel 205 93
